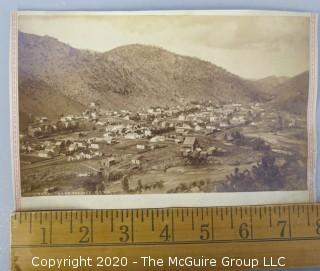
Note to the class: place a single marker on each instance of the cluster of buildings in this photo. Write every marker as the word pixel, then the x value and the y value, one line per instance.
pixel 73 149
pixel 155 120
pixel 178 124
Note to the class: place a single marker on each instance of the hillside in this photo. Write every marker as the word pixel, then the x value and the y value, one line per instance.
pixel 39 99
pixel 293 94
pixel 269 85
pixel 55 78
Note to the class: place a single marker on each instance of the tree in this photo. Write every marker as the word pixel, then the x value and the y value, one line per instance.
pixel 125 184
pixel 258 144
pixel 269 173
pixel 265 175
pixel 139 187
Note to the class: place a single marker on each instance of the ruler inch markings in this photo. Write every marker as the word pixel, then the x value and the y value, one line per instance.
pixel 30 229
pixel 192 219
pixel 51 228
pixel 289 217
pixel 251 223
pixel 296 228
pixel 152 220
pixel 212 227
pixel 91 227
pixel 132 226
pixel 172 224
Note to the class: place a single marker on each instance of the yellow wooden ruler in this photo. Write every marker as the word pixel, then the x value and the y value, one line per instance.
pixel 218 238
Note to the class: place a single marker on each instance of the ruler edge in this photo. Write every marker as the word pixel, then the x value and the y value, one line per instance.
pixel 166 208
pixel 12 248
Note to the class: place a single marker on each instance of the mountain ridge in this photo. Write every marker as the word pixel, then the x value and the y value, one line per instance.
pixel 129 77
pixel 293 95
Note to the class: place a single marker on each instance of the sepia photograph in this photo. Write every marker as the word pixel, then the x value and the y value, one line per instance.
pixel 164 103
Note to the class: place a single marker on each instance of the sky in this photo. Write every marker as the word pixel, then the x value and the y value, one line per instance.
pixel 252 46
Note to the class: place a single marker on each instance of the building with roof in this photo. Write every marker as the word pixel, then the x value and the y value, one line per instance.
pixel 191 143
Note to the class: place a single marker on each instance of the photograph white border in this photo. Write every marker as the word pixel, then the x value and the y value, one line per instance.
pixel 162 200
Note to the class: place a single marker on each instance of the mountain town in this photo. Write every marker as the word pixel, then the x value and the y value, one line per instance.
pixel 198 147
pixel 140 119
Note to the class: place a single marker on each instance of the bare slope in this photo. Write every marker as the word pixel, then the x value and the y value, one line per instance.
pixel 131 77
pixel 293 94
pixel 269 85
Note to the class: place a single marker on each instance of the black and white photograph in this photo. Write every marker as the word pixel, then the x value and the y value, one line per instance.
pixel 164 103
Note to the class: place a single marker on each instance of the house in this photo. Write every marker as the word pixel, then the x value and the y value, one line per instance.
pixel 88 156
pixel 186 153
pixel 183 128
pixel 91 140
pixel 109 139
pixel 80 144
pixel 209 108
pixel 190 117
pixel 191 143
pixel 169 113
pixel 157 139
pixel 99 140
pixel 80 156
pixel 45 154
pixel 93 115
pixel 213 119
pixel 147 133
pixel 66 118
pixel 131 136
pixel 101 123
pixel 97 154
pixel 54 128
pixel 135 162
pixel 33 130
pixel 155 122
pixel 211 127
pixel 43 119
pixel 110 161
pixel 186 127
pixel 203 154
pixel 237 120
pixel 59 144
pixel 224 125
pixel 164 124
pixel 141 147
pixel 179 130
pixel 157 113
pixel 53 150
pixel 116 128
pixel 73 147
pixel 94 146
pixel 211 150
pixel 143 116
pixel 70 158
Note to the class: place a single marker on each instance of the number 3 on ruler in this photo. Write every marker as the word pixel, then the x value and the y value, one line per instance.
pixel 125 235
